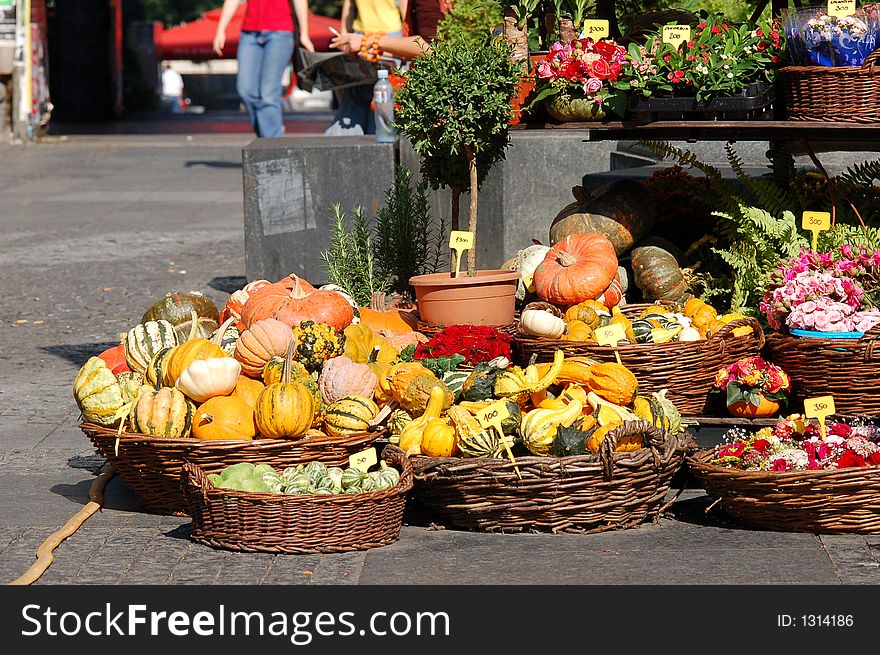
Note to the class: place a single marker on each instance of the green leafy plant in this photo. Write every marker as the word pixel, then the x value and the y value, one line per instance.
pixel 470 21
pixel 455 109
pixel 350 261
pixel 407 242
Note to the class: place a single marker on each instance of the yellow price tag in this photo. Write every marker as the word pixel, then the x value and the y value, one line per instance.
pixel 676 34
pixel 816 222
pixel 459 241
pixel 595 29
pixel 363 460
pixel 611 335
pixel 491 417
pixel 819 408
pixel 841 8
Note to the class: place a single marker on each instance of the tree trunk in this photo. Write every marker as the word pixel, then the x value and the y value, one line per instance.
pixel 567 31
pixel 518 39
pixel 454 223
pixel 472 220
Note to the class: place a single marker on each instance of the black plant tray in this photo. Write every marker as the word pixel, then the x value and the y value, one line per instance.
pixel 755 103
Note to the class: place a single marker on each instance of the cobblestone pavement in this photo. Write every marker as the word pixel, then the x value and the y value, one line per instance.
pixel 94 229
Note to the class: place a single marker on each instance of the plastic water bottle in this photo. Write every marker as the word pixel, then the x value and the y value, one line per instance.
pixel 383 98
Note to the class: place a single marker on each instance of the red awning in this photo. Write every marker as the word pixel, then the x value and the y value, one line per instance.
pixel 194 40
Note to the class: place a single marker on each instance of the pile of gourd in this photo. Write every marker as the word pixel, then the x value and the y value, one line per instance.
pixel 694 321
pixel 566 407
pixel 281 360
pixel 311 478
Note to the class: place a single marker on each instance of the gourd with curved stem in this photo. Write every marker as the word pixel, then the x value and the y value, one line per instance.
pixel 285 409
pixel 294 305
pixel 181 356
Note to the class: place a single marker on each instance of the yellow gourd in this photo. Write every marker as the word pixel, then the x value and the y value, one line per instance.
pixel 411 436
pixel 607 412
pixel 538 428
pixel 438 439
pixel 612 382
pixel 624 445
pixel 579 331
pixel 518 384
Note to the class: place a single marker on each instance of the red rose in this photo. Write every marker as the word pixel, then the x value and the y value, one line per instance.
pixel 850 459
pixel 873 459
pixel 615 71
pixel 607 50
pixel 761 445
pixel 601 69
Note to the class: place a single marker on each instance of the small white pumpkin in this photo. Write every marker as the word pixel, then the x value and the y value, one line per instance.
pixel 206 378
pixel 526 261
pixel 541 323
pixel 689 334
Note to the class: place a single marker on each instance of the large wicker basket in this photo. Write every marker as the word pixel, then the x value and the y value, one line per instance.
pixel 581 493
pixel 150 466
pixel 292 523
pixel 686 369
pixel 832 93
pixel 830 502
pixel 848 369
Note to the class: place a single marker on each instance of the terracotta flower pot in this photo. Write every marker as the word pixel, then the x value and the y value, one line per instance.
pixel 485 299
pixel 743 409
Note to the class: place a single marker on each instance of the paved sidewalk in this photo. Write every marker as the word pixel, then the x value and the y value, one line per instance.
pixel 95 228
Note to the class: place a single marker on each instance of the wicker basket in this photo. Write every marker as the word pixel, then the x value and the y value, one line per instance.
pixel 829 502
pixel 687 369
pixel 150 466
pixel 292 523
pixel 581 493
pixel 848 369
pixel 832 93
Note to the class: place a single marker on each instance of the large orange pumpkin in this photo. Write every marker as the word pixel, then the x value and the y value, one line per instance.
pixel 237 300
pixel 300 302
pixel 578 268
pixel 224 417
pixel 262 341
pixel 380 315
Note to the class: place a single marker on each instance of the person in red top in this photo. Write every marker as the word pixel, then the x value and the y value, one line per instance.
pixel 264 50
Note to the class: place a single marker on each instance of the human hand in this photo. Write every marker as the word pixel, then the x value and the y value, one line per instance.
pixel 219 42
pixel 306 42
pixel 348 43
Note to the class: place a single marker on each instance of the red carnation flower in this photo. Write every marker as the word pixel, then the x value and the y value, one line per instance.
pixel 840 430
pixel 850 459
pixel 761 445
pixel 873 459
pixel 779 465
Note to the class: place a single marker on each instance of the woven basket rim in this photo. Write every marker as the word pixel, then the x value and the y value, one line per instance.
pixel 699 461
pixel 100 432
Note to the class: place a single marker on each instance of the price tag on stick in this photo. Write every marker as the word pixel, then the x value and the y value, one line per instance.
pixel 819 408
pixel 675 35
pixel 595 29
pixel 492 417
pixel 459 241
pixel 816 222
pixel 363 460
pixel 611 335
pixel 841 8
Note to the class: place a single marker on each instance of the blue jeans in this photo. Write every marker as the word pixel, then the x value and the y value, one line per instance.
pixel 262 58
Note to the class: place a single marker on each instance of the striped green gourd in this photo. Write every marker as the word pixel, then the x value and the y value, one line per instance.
pixel 165 412
pixel 348 415
pixel 143 341
pixel 455 380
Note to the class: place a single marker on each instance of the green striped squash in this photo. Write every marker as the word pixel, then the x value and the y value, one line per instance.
pixel 455 380
pixel 155 372
pixel 143 341
pixel 348 415
pixel 165 412
pixel 97 393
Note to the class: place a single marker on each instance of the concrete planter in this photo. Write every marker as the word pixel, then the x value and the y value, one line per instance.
pixel 485 299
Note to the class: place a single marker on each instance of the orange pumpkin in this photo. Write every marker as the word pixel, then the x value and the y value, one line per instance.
pixel 181 356
pixel 301 302
pixel 401 340
pixel 381 315
pixel 224 417
pixel 578 268
pixel 259 343
pixel 238 299
pixel 578 331
pixel 248 389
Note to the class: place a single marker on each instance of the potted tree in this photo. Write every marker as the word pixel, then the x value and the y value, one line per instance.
pixel 455 108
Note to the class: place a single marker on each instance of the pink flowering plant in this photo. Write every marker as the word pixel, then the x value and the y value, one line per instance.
pixel 584 69
pixel 747 379
pixel 795 444
pixel 836 291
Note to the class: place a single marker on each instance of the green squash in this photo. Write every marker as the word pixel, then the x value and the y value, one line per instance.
pixel 571 441
pixel 510 425
pixel 480 384
pixel 352 477
pixel 177 309
pixel 455 381
pixel 228 340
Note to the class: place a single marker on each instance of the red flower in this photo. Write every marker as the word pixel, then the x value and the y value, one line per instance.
pixel 761 445
pixel 716 30
pixel 762 46
pixel 701 26
pixel 873 459
pixel 840 430
pixel 759 32
pixel 779 465
pixel 690 44
pixel 732 450
pixel 607 50
pixel 601 69
pixel 615 71
pixel 774 59
pixel 850 459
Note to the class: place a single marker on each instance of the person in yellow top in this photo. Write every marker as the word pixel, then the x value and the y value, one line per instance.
pixel 362 17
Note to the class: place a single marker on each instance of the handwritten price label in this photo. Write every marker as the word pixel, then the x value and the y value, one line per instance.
pixel 363 460
pixel 819 408
pixel 676 34
pixel 611 335
pixel 816 222
pixel 595 29
pixel 459 241
pixel 494 415
pixel 841 8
